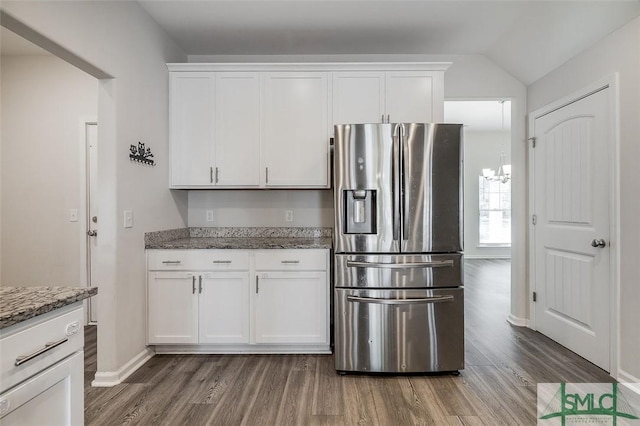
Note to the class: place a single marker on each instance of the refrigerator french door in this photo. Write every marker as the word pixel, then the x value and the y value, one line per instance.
pixel 398 244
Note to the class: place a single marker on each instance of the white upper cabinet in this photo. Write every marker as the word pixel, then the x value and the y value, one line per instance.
pixel 296 138
pixel 269 125
pixel 237 129
pixel 358 97
pixel 191 128
pixel 392 96
pixel 414 97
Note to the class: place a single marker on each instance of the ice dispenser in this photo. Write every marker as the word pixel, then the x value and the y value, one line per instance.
pixel 360 214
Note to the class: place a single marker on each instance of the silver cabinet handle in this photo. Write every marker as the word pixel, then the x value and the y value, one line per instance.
pixel 217 174
pixel 437 299
pixel 257 285
pixel 290 261
pixel 193 284
pixel 92 233
pixel 435 264
pixel 388 117
pixel 221 261
pixel 598 243
pixel 171 262
pixel 211 174
pixel 382 118
pixel 200 284
pixel 266 175
pixel 47 347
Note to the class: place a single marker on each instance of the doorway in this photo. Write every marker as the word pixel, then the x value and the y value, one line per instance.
pixel 487 175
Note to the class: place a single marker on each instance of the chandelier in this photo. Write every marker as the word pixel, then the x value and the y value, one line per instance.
pixel 504 170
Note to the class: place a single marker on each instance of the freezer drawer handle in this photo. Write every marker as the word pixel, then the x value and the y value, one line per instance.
pixel 438 299
pixel 436 264
pixel 47 347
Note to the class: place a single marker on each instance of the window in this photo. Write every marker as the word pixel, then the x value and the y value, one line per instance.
pixel 495 213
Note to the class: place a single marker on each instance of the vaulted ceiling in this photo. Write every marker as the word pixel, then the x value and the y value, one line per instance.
pixel 526 38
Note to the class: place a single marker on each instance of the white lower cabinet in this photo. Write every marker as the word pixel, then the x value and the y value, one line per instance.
pixel 223 305
pixel 291 307
pixel 173 307
pixel 248 301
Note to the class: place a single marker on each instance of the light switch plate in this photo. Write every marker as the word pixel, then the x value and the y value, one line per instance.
pixel 73 215
pixel 128 218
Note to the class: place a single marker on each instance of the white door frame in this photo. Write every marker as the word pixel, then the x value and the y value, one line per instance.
pixel 82 217
pixel 610 82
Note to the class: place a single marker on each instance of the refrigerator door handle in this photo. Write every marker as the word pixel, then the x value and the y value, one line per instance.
pixel 435 264
pixel 395 186
pixel 421 300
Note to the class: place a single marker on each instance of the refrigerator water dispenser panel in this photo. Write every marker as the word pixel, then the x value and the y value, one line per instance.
pixel 360 211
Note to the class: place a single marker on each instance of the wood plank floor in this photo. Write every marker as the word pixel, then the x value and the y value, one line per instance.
pixel 497 387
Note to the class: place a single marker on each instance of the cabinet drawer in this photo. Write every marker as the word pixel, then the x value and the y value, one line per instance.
pixel 170 260
pixel 221 260
pixel 285 260
pixel 39 346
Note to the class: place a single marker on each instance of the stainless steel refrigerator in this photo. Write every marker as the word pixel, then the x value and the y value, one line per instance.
pixel 398 297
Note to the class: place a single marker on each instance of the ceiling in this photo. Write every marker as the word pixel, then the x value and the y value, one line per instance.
pixel 526 38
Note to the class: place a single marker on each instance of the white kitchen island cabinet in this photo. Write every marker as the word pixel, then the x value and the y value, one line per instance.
pixel 41 355
pixel 238 301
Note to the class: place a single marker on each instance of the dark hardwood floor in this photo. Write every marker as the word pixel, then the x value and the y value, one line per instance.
pixel 498 385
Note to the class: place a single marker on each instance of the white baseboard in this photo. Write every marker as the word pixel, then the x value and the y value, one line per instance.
pixel 487 256
pixel 243 349
pixel 517 321
pixel 629 381
pixel 106 379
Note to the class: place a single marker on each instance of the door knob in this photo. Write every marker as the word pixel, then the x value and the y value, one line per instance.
pixel 93 233
pixel 598 243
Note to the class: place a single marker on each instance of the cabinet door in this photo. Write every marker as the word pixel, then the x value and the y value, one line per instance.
pixel 296 137
pixel 237 133
pixel 173 308
pixel 191 128
pixel 291 307
pixel 358 97
pixel 224 307
pixel 413 97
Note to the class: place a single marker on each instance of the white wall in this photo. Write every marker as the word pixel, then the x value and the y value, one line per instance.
pixel 43 100
pixel 481 150
pixel 619 52
pixel 311 208
pixel 121 40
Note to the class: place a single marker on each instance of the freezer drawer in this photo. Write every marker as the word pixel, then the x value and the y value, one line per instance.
pixel 404 271
pixel 399 331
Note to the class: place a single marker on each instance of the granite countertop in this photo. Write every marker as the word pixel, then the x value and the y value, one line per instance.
pixel 19 304
pixel 243 243
pixel 240 238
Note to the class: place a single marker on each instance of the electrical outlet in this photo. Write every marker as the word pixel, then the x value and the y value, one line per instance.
pixel 288 215
pixel 73 215
pixel 128 218
pixel 209 215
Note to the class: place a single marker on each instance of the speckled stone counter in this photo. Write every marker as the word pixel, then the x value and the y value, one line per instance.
pixel 19 304
pixel 241 238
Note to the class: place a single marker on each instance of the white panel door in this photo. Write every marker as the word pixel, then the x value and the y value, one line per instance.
pixel 571 202
pixel 358 97
pixel 296 136
pixel 237 133
pixel 224 307
pixel 291 307
pixel 191 116
pixel 411 97
pixel 173 308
